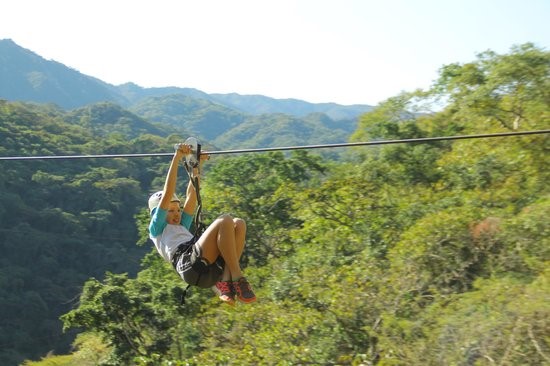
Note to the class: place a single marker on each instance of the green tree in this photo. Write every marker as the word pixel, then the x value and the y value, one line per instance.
pixel 508 91
pixel 125 314
pixel 259 188
pixel 414 254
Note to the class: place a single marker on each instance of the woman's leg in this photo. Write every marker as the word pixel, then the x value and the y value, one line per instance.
pixel 240 236
pixel 224 237
pixel 241 287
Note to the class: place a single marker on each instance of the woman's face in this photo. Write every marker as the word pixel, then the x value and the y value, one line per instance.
pixel 174 213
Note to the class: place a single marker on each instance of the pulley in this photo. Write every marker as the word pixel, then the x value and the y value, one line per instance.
pixel 192 159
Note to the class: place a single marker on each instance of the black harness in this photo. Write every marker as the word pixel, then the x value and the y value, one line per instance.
pixel 200 265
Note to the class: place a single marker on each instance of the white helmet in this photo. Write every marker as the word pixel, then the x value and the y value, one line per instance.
pixel 155 198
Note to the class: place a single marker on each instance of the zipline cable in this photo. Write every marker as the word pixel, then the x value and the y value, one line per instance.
pixel 382 142
pixel 303 147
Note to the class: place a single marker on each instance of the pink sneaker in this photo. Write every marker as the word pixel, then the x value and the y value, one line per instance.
pixel 226 292
pixel 244 291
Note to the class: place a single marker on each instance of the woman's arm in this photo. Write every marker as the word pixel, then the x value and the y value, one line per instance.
pixel 172 176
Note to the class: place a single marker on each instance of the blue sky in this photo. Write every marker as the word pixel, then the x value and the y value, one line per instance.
pixel 343 51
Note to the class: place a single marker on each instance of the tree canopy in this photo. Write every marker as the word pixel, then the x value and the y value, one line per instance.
pixel 417 254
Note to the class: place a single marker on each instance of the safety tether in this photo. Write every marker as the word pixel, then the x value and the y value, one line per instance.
pixel 191 162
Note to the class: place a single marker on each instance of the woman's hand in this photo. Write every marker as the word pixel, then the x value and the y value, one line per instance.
pixel 204 157
pixel 182 150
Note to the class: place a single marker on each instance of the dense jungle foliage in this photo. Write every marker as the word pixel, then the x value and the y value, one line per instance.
pixel 64 221
pixel 414 254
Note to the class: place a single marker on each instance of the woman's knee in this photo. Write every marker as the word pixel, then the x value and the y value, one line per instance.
pixel 225 221
pixel 240 224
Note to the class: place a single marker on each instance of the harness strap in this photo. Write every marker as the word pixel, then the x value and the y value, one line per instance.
pixel 199 225
pixel 184 294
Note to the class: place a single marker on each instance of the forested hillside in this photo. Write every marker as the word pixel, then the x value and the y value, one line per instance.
pixel 412 254
pixel 284 130
pixel 62 222
pixel 228 129
pixel 203 118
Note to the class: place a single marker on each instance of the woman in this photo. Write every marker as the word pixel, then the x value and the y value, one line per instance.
pixel 199 263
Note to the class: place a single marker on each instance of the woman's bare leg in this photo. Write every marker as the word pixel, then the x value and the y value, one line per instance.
pixel 220 239
pixel 226 237
pixel 240 236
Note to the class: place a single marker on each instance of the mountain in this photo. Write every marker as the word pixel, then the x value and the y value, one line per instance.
pixel 203 118
pixel 227 128
pixel 279 130
pixel 27 76
pixel 106 118
pixel 259 104
pixel 225 120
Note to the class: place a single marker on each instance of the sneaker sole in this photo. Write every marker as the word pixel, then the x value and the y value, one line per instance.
pixel 247 301
pixel 227 300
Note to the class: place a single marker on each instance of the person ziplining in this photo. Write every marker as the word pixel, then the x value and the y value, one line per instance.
pixel 204 259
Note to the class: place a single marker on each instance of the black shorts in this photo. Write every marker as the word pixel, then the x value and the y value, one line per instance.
pixel 193 268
